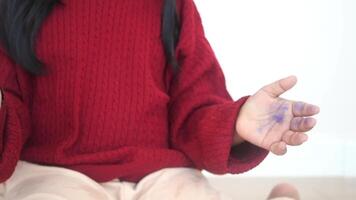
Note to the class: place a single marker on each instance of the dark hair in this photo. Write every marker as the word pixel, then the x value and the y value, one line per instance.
pixel 21 19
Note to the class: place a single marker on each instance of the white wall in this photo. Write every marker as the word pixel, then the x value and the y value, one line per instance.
pixel 259 41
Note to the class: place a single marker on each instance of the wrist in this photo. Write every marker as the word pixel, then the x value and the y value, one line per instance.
pixel 237 139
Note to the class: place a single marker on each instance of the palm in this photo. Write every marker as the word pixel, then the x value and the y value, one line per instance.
pixel 271 122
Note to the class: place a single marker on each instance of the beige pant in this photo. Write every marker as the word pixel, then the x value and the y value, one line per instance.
pixel 37 182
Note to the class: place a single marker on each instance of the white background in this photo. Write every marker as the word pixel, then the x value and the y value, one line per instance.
pixel 260 41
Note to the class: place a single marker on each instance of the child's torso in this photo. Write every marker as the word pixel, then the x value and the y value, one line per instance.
pixel 105 98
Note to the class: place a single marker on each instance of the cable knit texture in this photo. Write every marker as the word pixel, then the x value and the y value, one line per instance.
pixel 110 108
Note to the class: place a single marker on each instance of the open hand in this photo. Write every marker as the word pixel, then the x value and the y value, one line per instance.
pixel 271 122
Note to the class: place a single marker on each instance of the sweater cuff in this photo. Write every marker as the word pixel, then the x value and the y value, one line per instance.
pixel 244 157
pixel 224 158
pixel 2 124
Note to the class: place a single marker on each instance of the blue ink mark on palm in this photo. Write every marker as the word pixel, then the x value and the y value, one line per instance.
pixel 278 118
pixel 278 115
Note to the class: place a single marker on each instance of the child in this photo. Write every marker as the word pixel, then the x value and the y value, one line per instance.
pixel 122 99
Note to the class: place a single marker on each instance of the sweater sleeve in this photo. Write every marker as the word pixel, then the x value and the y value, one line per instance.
pixel 14 116
pixel 202 113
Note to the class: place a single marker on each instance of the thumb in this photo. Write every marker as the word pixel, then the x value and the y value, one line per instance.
pixel 277 88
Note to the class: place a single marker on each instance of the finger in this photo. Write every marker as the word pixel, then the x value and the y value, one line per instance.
pixel 279 87
pixel 279 148
pixel 294 138
pixel 302 124
pixel 301 109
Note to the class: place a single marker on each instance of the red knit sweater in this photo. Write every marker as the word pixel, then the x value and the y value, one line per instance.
pixel 108 107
